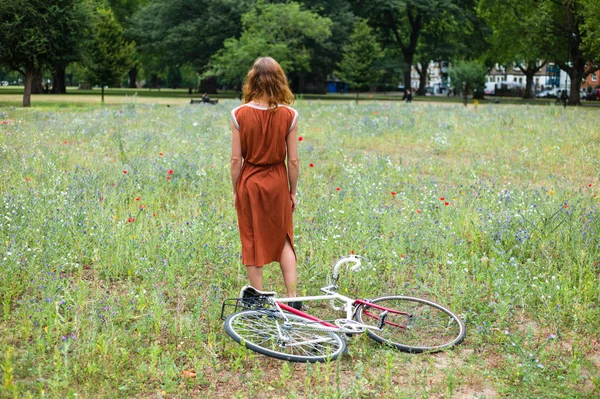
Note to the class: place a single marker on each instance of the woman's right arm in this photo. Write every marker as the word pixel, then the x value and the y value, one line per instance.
pixel 293 164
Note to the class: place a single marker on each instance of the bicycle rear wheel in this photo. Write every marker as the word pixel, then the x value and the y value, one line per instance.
pixel 425 326
pixel 267 333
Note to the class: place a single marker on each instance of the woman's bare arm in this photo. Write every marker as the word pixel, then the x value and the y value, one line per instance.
pixel 293 164
pixel 236 157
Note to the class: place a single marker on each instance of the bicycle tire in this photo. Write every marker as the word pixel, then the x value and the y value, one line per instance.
pixel 432 328
pixel 257 330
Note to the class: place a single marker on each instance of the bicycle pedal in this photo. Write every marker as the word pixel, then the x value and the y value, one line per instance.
pixel 381 319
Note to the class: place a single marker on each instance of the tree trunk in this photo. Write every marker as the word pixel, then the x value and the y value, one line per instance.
pixel 36 82
pixel 301 79
pixel 133 77
pixel 407 80
pixel 357 93
pixel 466 94
pixel 208 85
pixel 102 93
pixel 58 81
pixel 422 79
pixel 27 91
pixel 154 81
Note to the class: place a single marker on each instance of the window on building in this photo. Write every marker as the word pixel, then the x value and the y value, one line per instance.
pixel 594 77
pixel 537 81
pixel 514 79
pixel 520 80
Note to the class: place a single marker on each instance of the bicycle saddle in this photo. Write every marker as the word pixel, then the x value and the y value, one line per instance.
pixel 249 291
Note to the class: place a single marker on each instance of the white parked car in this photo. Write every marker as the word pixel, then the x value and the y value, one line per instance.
pixel 552 93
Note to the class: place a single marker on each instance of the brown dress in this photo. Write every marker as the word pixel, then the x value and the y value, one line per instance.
pixel 263 197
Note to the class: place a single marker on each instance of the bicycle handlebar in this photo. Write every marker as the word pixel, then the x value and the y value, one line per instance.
pixel 345 260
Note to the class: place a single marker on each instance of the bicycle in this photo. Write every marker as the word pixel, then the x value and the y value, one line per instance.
pixel 267 325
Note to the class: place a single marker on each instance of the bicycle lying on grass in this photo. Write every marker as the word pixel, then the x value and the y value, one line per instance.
pixel 270 327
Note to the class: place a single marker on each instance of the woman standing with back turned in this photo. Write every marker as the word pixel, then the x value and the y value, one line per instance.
pixel 263 135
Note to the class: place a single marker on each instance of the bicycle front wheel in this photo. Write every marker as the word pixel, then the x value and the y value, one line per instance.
pixel 420 325
pixel 298 340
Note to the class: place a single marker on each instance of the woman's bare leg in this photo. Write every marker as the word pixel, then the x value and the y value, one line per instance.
pixel 255 275
pixel 288 268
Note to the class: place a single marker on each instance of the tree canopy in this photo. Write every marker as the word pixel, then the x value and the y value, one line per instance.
pixel 219 39
pixel 282 31
pixel 361 54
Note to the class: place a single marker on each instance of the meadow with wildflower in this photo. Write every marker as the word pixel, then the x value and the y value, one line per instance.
pixel 119 242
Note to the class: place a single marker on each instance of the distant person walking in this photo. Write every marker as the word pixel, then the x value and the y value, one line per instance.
pixel 409 96
pixel 563 98
pixel 263 135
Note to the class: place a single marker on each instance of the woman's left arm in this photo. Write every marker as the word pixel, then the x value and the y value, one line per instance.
pixel 236 158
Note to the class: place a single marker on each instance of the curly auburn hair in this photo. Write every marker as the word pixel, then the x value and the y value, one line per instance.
pixel 266 81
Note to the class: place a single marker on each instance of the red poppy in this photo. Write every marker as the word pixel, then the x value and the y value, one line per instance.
pixel 590 185
pixel 312 165
pixel 170 172
pixel 124 172
pixel 446 203
pixel 442 198
pixel 130 220
pixel 143 207
pixel 137 198
pixel 4 122
pixel 300 138
pixel 65 142
pixel 393 193
pixel 352 252
pixel 168 177
pixel 27 178
pixel 418 211
pixel 160 154
pixel 338 189
pixel 566 206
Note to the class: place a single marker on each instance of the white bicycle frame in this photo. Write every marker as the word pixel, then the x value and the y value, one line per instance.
pixel 332 295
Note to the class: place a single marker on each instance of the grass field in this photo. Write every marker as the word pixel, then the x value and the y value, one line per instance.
pixel 12 96
pixel 119 243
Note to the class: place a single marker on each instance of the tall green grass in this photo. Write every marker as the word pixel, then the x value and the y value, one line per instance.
pixel 119 242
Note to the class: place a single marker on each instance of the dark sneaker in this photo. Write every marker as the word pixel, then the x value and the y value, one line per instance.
pixel 296 305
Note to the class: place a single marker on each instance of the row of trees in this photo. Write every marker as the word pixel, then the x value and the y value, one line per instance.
pixel 361 41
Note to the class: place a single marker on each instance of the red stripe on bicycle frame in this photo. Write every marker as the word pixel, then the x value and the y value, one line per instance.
pixel 304 315
pixel 372 305
pixel 389 323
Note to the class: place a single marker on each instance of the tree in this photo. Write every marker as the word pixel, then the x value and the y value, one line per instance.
pixel 109 53
pixel 468 77
pixel 401 23
pixel 124 11
pixel 518 28
pixel 185 31
pixel 325 53
pixel 358 67
pixel 74 36
pixel 567 39
pixel 278 30
pixel 449 34
pixel 36 33
pixel 591 27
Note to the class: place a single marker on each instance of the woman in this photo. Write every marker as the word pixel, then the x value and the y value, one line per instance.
pixel 263 134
